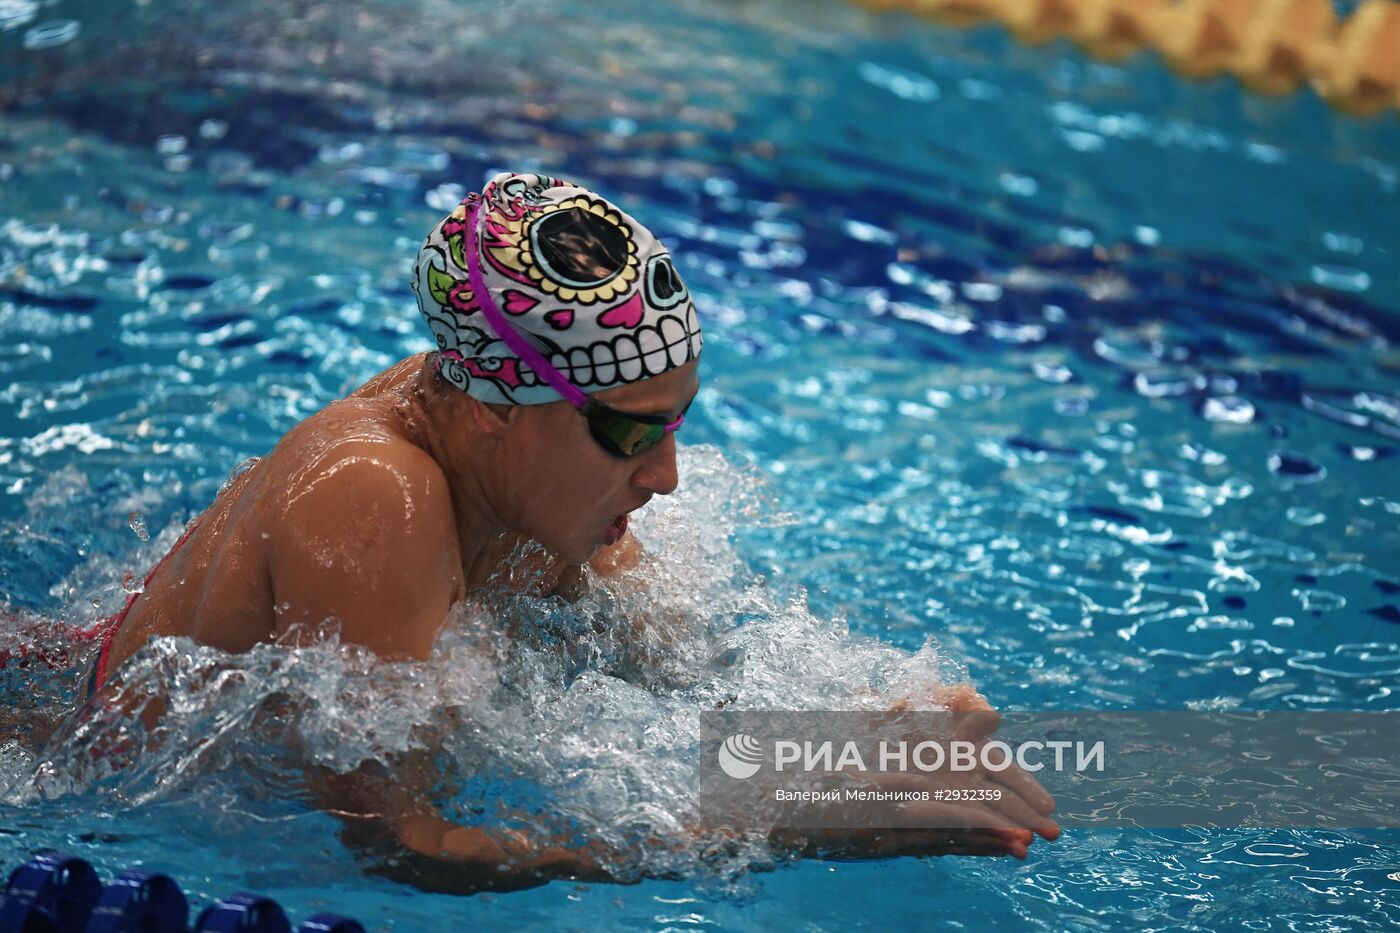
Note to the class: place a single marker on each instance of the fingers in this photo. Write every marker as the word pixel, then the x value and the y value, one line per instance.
pixel 1008 811
pixel 961 698
pixel 1030 790
pixel 1023 815
pixel 937 815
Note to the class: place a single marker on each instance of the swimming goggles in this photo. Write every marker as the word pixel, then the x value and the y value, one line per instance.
pixel 617 432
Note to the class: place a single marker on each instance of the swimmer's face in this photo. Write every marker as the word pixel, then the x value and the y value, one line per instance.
pixel 569 489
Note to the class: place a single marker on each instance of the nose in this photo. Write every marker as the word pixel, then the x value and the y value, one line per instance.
pixel 658 471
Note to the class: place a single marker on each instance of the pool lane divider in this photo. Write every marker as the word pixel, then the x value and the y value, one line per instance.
pixel 57 893
pixel 1271 46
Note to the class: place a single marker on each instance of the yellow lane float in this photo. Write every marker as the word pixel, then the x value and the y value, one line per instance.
pixel 1272 46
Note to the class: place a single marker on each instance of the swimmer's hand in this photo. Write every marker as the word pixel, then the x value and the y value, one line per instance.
pixel 1005 827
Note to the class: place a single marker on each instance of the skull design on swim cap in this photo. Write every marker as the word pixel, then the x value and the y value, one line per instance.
pixel 593 290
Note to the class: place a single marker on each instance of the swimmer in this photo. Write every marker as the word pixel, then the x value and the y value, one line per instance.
pixel 567 357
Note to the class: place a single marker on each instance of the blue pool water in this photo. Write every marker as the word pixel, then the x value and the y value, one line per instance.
pixel 1064 377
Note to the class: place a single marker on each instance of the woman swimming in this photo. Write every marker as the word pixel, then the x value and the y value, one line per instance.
pixel 567 356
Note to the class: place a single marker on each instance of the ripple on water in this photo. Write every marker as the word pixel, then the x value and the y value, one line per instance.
pixel 15 13
pixel 52 34
pixel 1057 585
pixel 1296 467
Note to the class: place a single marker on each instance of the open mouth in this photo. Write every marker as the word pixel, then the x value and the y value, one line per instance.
pixel 616 530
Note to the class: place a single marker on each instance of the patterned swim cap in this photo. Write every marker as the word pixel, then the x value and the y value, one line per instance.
pixel 593 290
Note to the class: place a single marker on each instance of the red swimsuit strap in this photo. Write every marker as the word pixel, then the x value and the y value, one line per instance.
pixel 108 628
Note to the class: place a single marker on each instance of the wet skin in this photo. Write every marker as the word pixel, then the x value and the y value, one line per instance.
pixel 385 508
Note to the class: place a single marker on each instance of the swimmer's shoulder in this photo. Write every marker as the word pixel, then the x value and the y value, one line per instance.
pixel 347 457
pixel 361 528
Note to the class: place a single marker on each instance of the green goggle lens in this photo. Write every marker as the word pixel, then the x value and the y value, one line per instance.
pixel 624 435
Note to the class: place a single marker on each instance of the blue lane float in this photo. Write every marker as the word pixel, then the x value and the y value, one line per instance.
pixel 140 900
pixel 52 892
pixel 244 913
pixel 57 893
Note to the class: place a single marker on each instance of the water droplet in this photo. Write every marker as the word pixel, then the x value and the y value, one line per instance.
pixel 96 601
pixel 243 467
pixel 137 521
pixel 132 583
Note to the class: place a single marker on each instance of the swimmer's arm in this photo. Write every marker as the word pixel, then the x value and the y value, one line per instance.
pixel 369 541
pixel 381 804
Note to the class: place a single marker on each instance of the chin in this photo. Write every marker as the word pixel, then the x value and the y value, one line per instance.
pixel 573 552
pixel 584 556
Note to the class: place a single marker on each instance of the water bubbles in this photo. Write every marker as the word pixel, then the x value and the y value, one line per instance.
pixel 138 524
pixel 52 34
pixel 131 583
